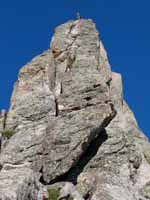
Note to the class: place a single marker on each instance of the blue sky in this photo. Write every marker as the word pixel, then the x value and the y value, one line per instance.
pixel 26 28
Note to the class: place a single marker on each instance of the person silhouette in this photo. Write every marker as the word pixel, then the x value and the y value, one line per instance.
pixel 78 16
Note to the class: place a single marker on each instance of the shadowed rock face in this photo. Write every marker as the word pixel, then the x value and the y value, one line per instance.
pixel 2 119
pixel 72 125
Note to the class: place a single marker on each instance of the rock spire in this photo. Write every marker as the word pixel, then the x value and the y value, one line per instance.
pixel 73 131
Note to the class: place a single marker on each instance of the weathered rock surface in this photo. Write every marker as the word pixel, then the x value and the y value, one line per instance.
pixel 69 190
pixel 72 125
pixel 2 119
pixel 117 170
pixel 20 183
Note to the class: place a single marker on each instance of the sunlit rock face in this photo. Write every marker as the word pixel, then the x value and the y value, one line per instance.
pixel 73 130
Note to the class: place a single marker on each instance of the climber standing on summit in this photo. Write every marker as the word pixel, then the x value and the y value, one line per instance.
pixel 78 16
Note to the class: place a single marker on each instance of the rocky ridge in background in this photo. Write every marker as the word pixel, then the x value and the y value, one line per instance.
pixel 69 130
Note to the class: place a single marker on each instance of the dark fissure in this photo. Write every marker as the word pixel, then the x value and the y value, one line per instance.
pixel 75 171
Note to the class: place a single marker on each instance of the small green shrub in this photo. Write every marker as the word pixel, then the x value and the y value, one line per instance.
pixel 70 198
pixel 53 194
pixel 8 133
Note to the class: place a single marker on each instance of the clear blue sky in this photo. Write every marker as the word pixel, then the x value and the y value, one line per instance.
pixel 26 28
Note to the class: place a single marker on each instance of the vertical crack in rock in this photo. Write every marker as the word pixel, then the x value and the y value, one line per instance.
pixel 57 109
pixel 56 52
